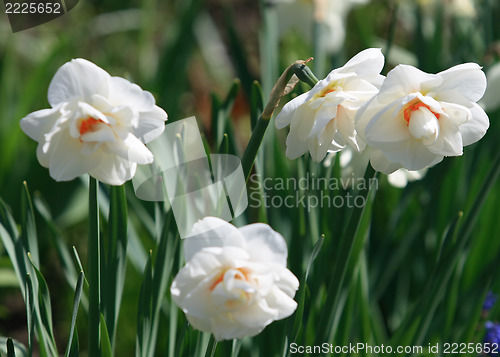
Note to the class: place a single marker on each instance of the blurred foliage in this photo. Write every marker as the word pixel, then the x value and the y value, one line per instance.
pixel 187 52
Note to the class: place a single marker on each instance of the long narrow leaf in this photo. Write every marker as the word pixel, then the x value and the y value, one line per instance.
pixel 28 227
pixel 116 260
pixel 350 240
pixel 30 313
pixel 13 245
pixel 10 348
pixel 70 272
pixel 44 311
pixel 105 349
pixel 19 349
pixel 93 269
pixel 76 304
pixel 144 311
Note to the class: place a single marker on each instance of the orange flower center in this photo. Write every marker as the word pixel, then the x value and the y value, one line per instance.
pixel 88 124
pixel 415 106
pixel 243 276
pixel 332 87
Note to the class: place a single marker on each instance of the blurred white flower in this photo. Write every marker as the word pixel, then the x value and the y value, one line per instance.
pixel 329 14
pixel 455 8
pixel 401 177
pixel 94 125
pixel 491 99
pixel 418 118
pixel 353 164
pixel 322 119
pixel 235 281
pixel 462 8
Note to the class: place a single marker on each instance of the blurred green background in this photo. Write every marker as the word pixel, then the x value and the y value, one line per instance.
pixel 187 53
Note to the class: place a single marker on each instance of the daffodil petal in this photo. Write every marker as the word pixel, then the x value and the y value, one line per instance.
pixel 475 128
pixel 78 78
pixel 467 80
pixel 113 169
pixel 264 244
pixel 66 161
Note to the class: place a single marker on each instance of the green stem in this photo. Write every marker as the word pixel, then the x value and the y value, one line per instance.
pixel 254 145
pixel 282 87
pixel 392 32
pixel 94 271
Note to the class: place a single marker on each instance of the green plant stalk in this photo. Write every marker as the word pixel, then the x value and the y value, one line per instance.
pixel 253 145
pixel 115 267
pixel 93 269
pixel 412 331
pixel 283 86
pixel 448 264
pixel 349 240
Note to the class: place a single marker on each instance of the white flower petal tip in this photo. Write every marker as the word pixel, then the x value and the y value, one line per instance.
pixel 98 125
pixel 235 281
pixel 323 119
pixel 417 118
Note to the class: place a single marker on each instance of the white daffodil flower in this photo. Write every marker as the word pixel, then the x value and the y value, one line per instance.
pixel 418 118
pixel 322 119
pixel 94 125
pixel 235 281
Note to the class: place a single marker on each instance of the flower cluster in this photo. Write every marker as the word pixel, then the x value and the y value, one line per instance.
pixel 411 120
pixel 322 119
pixel 492 337
pixel 235 281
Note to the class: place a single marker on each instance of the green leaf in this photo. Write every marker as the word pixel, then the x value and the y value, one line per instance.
pixel 348 251
pixel 30 313
pixel 162 274
pixel 256 103
pixel 301 294
pixel 44 311
pixel 116 259
pixel 28 227
pixel 10 348
pixel 224 145
pixel 415 327
pixel 70 272
pixel 210 347
pixel 18 348
pixel 105 343
pixel 13 245
pixel 75 347
pixel 73 338
pixel 144 311
pixel 93 270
